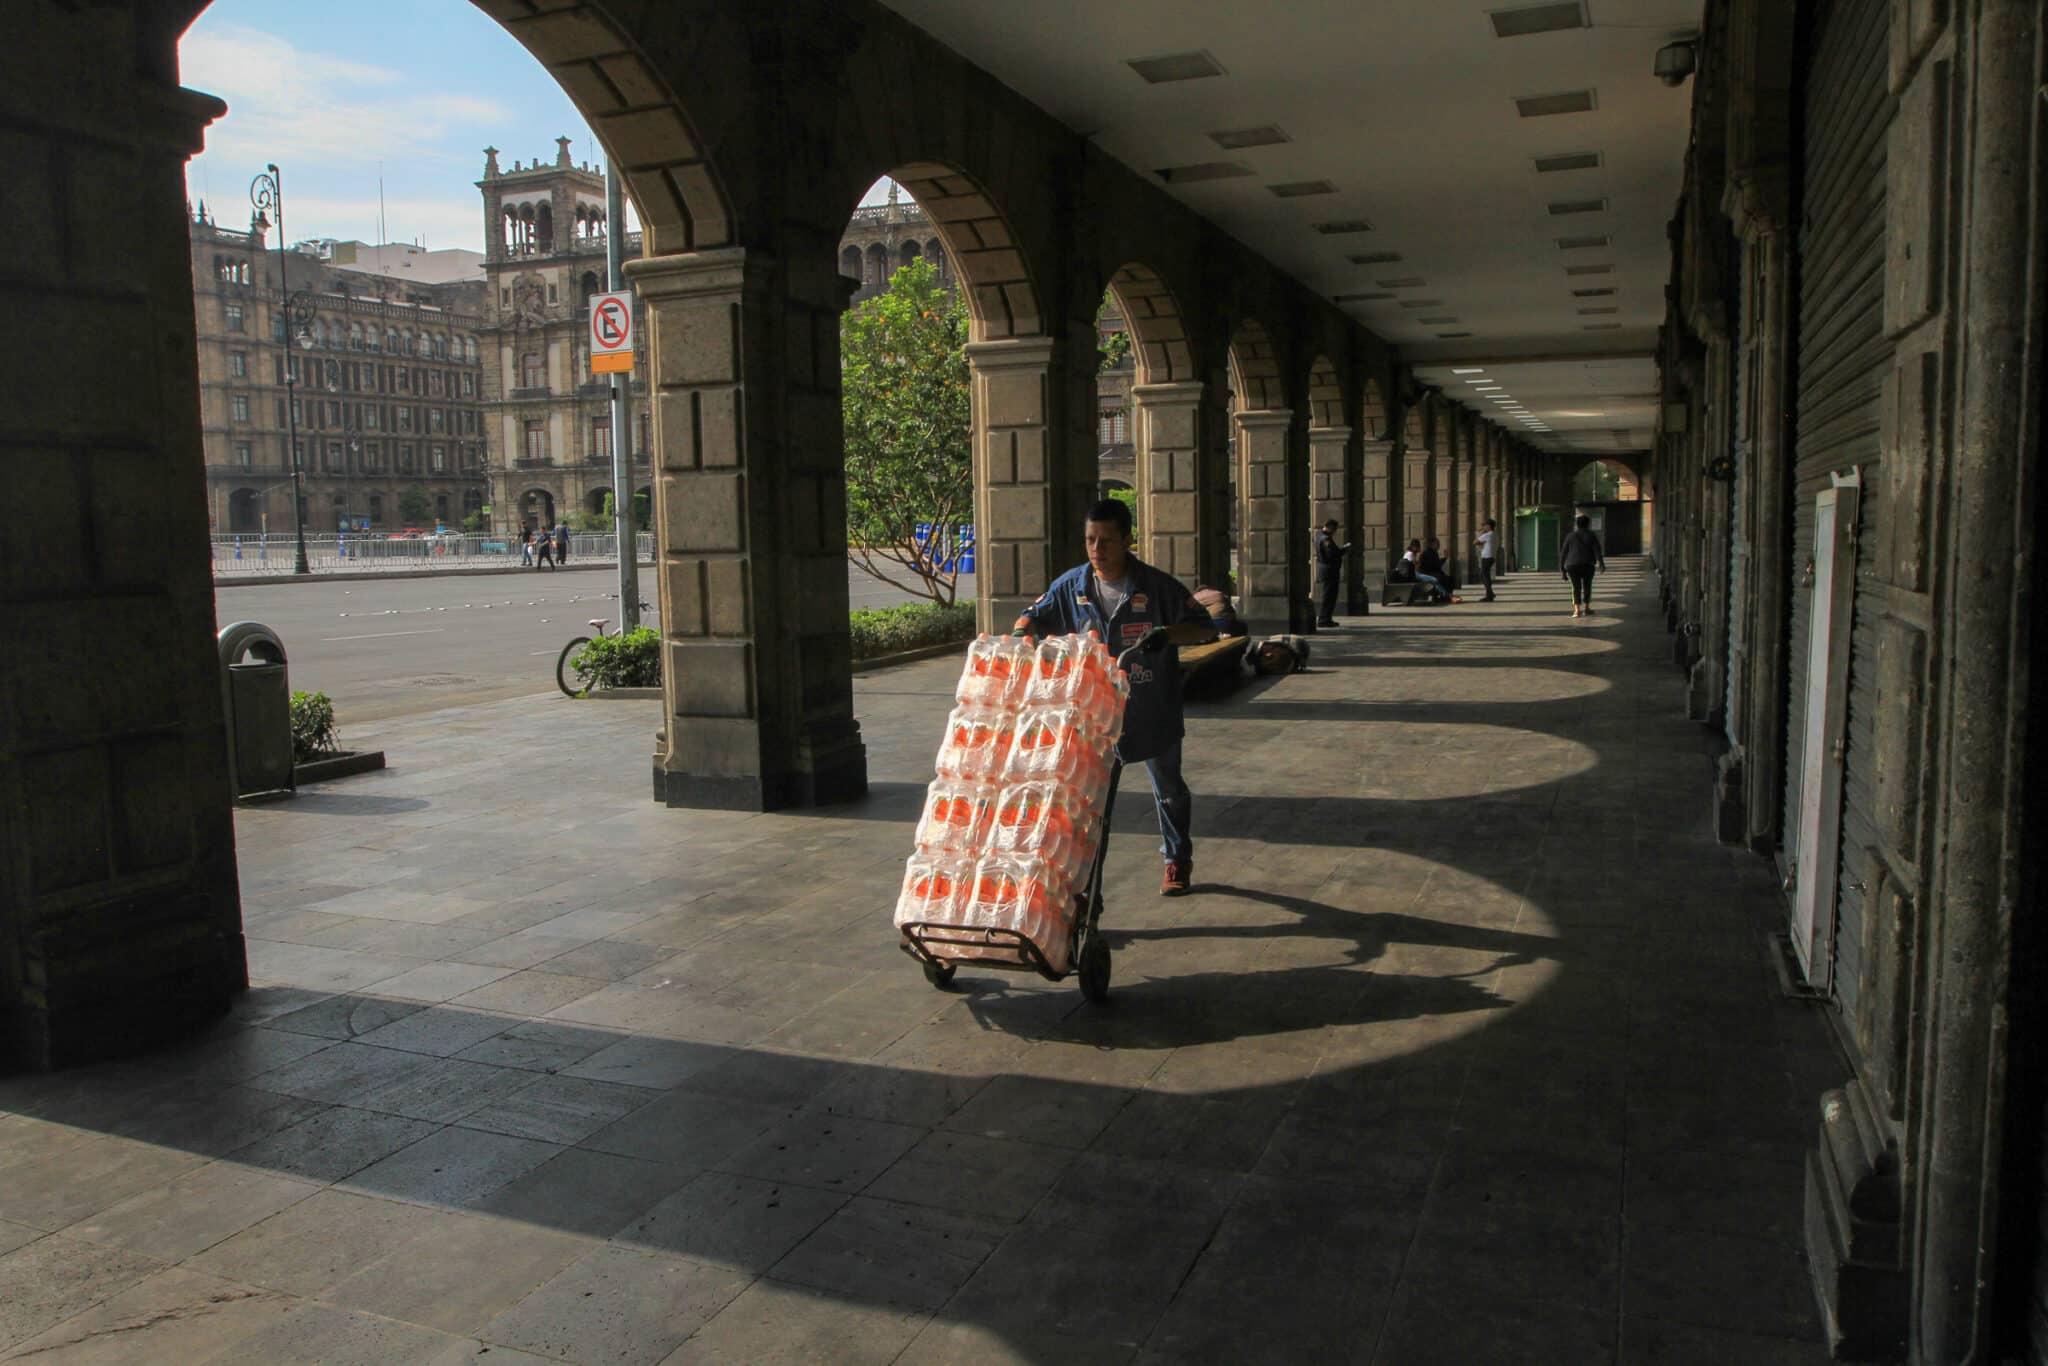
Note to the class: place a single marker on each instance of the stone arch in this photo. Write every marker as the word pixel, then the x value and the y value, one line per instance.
pixel 977 239
pixel 1167 404
pixel 875 277
pixel 593 501
pixel 537 508
pixel 850 265
pixel 682 203
pixel 1325 395
pixel 1255 377
pixel 1328 487
pixel 908 253
pixel 1158 334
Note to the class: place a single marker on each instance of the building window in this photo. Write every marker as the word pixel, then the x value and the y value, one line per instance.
pixel 437 420
pixel 536 440
pixel 333 414
pixel 373 454
pixel 238 407
pixel 245 454
pixel 469 386
pixel 405 458
pixel 371 417
pixel 376 509
pixel 238 364
pixel 532 374
pixel 438 460
pixel 333 457
pixel 441 509
pixel 646 442
pixel 233 313
pixel 298 454
pixel 601 439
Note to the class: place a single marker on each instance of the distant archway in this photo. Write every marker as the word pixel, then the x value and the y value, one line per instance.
pixel 245 511
pixel 1268 522
pixel 537 509
pixel 595 500
pixel 1166 404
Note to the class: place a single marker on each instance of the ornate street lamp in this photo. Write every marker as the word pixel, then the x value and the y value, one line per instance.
pixel 266 194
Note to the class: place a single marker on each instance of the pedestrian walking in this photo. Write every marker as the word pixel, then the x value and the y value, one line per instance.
pixel 544 544
pixel 1489 547
pixel 526 547
pixel 1129 603
pixel 1330 554
pixel 562 543
pixel 1578 555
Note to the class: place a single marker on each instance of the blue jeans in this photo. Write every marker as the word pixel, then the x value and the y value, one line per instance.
pixel 1434 582
pixel 1176 805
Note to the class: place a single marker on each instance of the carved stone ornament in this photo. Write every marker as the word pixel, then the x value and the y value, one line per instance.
pixel 529 299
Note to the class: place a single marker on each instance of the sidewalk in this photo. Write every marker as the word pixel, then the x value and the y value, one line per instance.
pixel 1466 1050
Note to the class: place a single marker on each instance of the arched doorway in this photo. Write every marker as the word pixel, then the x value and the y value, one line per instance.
pixel 537 509
pixel 245 511
pixel 1609 492
pixel 597 501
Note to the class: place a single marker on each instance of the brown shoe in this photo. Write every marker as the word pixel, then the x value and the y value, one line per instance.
pixel 1175 883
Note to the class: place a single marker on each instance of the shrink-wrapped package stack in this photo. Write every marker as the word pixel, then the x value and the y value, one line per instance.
pixel 1011 822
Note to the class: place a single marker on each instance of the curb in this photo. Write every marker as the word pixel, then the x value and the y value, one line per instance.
pixel 862 666
pixel 620 695
pixel 364 576
pixel 340 766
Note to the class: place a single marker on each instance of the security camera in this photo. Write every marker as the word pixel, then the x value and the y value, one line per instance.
pixel 1675 61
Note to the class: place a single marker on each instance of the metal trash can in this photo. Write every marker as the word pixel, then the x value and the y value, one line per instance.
pixel 256 699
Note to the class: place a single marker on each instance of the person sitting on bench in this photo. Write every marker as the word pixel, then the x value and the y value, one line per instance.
pixel 1413 561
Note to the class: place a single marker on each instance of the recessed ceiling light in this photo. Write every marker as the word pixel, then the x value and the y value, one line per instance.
pixel 1589 270
pixel 1343 226
pixel 1568 161
pixel 1480 383
pixel 1563 102
pixel 1599 293
pixel 1470 370
pixel 1201 170
pixel 1547 18
pixel 1175 66
pixel 1422 303
pixel 1374 258
pixel 1565 206
pixel 1363 298
pixel 1265 135
pixel 1580 243
pixel 1297 189
pixel 1405 282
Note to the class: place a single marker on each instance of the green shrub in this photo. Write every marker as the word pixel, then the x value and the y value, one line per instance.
pixel 630 660
pixel 313 734
pixel 879 631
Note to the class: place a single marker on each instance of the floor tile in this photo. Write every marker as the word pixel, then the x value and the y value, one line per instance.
pixel 593 1193
pixel 641 1305
pixel 771 1324
pixel 314 1244
pixel 333 1144
pixel 48 1281
pixel 453 1168
pixel 190 1214
pixel 456 1273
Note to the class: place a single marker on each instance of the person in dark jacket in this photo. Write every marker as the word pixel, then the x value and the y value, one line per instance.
pixel 561 543
pixel 1578 555
pixel 1330 554
pixel 1129 603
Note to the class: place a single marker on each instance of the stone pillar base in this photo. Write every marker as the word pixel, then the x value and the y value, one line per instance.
pixel 1853 1231
pixel 1731 806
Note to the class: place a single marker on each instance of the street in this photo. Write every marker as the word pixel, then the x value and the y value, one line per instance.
pixel 399 648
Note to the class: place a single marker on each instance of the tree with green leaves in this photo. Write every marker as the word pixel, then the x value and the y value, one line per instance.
pixel 414 507
pixel 904 381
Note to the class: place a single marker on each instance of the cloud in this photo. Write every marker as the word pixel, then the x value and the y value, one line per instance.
pixel 322 115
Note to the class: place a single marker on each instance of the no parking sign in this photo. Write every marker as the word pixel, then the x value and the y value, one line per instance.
pixel 611 332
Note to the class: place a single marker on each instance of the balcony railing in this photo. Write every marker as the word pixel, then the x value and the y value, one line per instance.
pixel 533 462
pixel 531 391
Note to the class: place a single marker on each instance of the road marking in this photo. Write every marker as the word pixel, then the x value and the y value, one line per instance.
pixel 379 635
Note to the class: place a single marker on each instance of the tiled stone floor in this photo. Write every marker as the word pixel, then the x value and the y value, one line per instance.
pixel 1467 1051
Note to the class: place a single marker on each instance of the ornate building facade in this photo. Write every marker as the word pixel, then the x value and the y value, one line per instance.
pixel 544 257
pixel 381 384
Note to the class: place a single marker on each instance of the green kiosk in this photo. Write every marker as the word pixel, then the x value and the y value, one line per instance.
pixel 1538 533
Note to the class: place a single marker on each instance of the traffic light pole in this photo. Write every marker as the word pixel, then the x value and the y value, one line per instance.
pixel 622 425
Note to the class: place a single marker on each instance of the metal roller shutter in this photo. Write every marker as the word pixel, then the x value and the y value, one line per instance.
pixel 1843 356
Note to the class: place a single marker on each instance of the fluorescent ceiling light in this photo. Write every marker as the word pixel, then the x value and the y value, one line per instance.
pixel 1469 370
pixel 1524 20
pixel 1266 135
pixel 1177 66
pixel 1568 161
pixel 1564 102
pixel 1296 189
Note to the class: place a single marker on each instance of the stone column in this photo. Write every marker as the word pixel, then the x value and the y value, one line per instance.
pixel 1376 523
pixel 1015 502
pixel 1169 477
pixel 1218 495
pixel 1265 573
pixel 120 924
pixel 1450 476
pixel 750 531
pixel 1418 495
pixel 1329 449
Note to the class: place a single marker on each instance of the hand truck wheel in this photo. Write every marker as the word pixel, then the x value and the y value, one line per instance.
pixel 940 974
pixel 1094 969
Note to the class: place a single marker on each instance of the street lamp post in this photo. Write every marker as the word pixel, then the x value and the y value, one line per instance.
pixel 266 194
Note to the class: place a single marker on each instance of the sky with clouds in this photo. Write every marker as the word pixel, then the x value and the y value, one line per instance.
pixel 338 96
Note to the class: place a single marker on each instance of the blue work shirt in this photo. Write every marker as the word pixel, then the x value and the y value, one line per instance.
pixel 1153 722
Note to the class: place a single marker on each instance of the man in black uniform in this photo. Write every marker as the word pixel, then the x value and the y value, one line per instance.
pixel 1329 570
